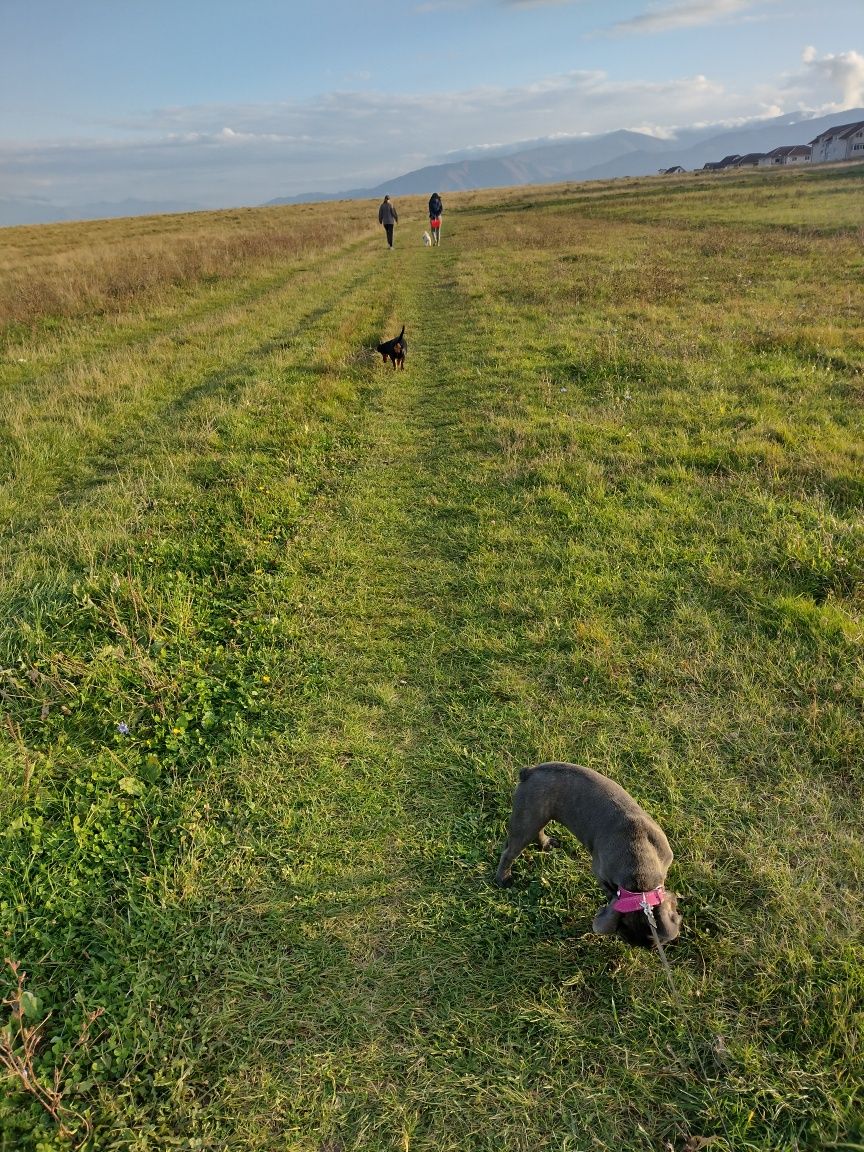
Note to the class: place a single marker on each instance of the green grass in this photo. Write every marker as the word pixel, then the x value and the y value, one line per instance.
pixel 610 512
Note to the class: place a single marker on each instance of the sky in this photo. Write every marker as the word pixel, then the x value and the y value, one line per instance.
pixel 222 103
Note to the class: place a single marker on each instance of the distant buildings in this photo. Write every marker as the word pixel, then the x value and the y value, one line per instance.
pixel 788 154
pixel 751 160
pixel 843 142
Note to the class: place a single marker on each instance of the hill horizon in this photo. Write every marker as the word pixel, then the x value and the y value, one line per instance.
pixel 604 156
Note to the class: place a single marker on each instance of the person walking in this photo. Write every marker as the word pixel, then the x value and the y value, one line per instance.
pixel 388 216
pixel 436 208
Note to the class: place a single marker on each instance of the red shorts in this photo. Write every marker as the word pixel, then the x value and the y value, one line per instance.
pixel 435 223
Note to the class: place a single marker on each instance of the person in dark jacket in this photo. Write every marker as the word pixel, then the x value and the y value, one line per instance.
pixel 436 207
pixel 388 216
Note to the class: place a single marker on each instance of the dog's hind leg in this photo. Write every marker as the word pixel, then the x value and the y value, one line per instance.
pixel 523 829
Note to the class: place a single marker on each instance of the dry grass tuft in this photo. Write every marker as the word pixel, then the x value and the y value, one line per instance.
pixel 66 270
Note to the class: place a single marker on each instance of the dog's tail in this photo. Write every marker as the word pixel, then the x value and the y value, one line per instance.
pixel 402 333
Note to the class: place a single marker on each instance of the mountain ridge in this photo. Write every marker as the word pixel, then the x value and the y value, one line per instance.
pixel 622 153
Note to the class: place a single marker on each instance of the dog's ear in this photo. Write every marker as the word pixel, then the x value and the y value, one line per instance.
pixel 606 920
pixel 669 919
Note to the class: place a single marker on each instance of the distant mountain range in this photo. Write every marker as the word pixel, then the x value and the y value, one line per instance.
pixel 34 211
pixel 599 157
pixel 595 158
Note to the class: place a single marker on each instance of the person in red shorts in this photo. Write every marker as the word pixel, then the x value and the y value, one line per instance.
pixel 436 209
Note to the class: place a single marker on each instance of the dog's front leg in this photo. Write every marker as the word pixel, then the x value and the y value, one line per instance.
pixel 547 843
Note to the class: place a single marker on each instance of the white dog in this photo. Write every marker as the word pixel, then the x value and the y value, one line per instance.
pixel 427 239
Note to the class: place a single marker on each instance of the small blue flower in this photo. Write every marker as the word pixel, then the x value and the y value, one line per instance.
pixel 123 728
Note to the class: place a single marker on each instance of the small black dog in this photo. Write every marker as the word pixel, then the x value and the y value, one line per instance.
pixel 395 349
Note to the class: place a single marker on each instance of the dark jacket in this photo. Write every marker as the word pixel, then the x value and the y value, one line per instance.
pixel 387 214
pixel 435 206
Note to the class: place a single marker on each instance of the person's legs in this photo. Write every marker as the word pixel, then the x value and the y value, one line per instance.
pixel 388 228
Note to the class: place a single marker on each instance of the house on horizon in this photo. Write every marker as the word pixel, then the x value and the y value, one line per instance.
pixel 842 142
pixel 719 165
pixel 787 154
pixel 751 160
pixel 675 170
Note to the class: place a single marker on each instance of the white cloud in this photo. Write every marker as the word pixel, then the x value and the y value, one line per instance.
pixel 683 14
pixel 841 73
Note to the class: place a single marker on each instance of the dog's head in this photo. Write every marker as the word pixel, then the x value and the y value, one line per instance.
pixel 633 927
pixel 427 239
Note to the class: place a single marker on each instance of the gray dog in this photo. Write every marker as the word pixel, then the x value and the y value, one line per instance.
pixel 630 854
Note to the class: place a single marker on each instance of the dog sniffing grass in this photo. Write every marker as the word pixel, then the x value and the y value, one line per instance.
pixel 630 854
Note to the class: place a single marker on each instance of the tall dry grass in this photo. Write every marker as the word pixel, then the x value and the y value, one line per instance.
pixel 76 269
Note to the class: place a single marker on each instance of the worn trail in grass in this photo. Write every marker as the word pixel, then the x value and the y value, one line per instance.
pixel 325 974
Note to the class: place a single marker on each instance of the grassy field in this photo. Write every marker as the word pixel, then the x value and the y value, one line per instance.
pixel 279 627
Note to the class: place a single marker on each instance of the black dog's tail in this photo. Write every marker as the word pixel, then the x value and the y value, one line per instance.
pixel 386 345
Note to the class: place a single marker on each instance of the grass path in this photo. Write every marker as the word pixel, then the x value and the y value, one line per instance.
pixel 334 960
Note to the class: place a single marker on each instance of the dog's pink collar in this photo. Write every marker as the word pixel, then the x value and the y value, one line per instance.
pixel 634 901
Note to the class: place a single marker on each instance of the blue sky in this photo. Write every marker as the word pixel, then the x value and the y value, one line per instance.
pixel 223 103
